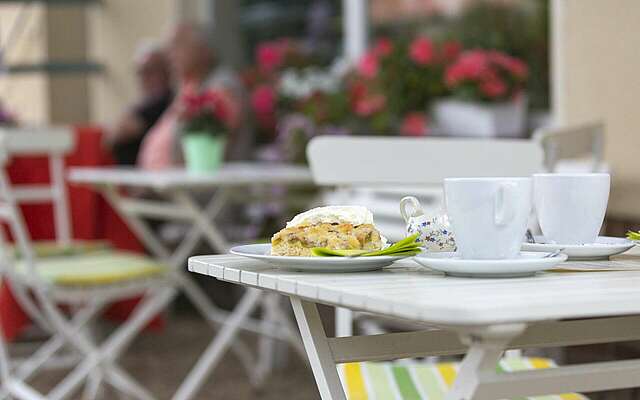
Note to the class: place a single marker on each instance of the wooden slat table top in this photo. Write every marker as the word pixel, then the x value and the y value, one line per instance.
pixel 407 290
pixel 231 174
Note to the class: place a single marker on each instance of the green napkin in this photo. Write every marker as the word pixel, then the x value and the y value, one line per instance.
pixel 406 247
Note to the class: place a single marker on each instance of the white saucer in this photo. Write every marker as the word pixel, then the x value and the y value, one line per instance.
pixel 602 249
pixel 526 264
pixel 315 264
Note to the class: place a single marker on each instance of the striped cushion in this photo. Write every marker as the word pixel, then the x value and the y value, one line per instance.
pixel 96 268
pixel 48 248
pixel 415 380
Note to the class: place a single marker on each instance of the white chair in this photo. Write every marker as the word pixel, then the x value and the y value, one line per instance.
pixel 574 148
pixel 84 281
pixel 411 166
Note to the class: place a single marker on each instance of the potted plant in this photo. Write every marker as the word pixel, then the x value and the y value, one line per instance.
pixel 205 117
pixel 487 96
pixel 395 82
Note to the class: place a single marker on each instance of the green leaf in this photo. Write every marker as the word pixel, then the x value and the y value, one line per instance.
pixel 633 235
pixel 406 246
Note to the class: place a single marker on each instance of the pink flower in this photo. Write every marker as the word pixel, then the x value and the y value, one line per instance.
pixel 451 50
pixel 471 65
pixel 414 124
pixel 370 104
pixel 369 65
pixel 263 100
pixel 493 88
pixel 271 55
pixel 383 47
pixel 421 51
pixel 513 65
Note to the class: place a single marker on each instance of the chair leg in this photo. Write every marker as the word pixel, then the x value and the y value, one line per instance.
pixel 214 316
pixel 215 350
pixel 112 347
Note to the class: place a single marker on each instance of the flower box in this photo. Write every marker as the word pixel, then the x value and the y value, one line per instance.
pixel 475 119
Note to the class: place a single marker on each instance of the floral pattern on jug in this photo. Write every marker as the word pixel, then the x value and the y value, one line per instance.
pixel 435 230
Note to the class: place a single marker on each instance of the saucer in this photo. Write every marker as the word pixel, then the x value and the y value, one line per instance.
pixel 527 264
pixel 602 249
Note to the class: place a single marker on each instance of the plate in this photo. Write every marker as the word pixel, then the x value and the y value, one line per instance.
pixel 527 264
pixel 602 249
pixel 315 264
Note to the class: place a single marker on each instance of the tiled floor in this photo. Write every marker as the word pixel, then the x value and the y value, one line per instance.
pixel 161 360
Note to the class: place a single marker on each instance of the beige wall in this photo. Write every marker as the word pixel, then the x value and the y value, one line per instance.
pixel 116 29
pixel 26 94
pixel 596 75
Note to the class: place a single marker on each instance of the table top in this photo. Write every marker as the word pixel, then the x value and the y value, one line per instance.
pixel 231 174
pixel 407 290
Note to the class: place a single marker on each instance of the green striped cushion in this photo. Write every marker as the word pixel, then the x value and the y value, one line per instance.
pixel 95 268
pixel 49 248
pixel 415 380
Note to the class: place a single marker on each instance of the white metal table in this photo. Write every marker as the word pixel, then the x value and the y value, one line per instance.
pixel 479 317
pixel 174 199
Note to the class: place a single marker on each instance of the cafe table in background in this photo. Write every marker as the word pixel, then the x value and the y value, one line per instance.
pixel 177 195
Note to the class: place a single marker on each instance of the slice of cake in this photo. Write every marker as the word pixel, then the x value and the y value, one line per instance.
pixel 333 227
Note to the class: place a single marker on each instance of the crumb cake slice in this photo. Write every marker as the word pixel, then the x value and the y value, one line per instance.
pixel 299 240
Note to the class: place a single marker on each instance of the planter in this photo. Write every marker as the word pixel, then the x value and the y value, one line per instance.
pixel 460 118
pixel 202 151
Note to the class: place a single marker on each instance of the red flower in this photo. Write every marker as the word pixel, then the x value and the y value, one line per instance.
pixel 271 55
pixel 513 65
pixel 370 104
pixel 471 65
pixel 383 47
pixel 369 65
pixel 414 124
pixel 493 88
pixel 263 100
pixel 451 50
pixel 421 51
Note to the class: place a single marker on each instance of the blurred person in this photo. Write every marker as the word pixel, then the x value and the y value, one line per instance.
pixel 192 55
pixel 6 118
pixel 156 94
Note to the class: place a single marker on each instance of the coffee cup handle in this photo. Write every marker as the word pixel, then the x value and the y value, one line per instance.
pixel 410 207
pixel 504 200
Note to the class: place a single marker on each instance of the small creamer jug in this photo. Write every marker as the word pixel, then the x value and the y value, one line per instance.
pixel 435 230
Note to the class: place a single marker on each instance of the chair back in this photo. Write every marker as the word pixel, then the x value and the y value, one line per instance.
pixel 11 215
pixel 397 161
pixel 54 143
pixel 583 142
pixel 377 172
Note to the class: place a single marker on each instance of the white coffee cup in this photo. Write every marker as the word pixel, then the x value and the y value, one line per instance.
pixel 489 216
pixel 571 207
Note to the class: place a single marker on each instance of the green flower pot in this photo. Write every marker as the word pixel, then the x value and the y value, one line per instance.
pixel 202 151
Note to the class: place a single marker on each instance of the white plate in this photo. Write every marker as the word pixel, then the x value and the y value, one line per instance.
pixel 602 249
pixel 525 265
pixel 314 264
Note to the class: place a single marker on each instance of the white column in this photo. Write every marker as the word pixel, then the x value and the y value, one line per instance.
pixel 558 62
pixel 355 26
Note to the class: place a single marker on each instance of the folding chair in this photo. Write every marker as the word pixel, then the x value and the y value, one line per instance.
pixel 573 148
pixel 63 292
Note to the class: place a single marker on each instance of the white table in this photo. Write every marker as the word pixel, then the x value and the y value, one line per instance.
pixel 479 317
pixel 174 200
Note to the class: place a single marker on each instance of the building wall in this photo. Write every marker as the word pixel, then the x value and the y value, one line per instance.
pixel 25 94
pixel 117 27
pixel 596 63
